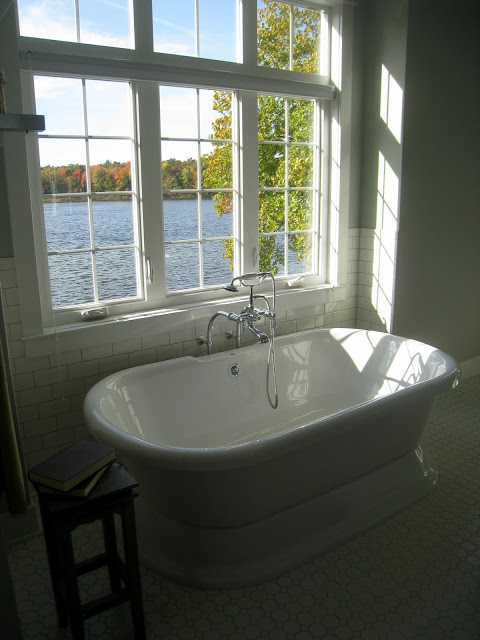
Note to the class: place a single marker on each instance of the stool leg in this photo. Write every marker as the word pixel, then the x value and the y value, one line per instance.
pixel 52 544
pixel 73 595
pixel 132 569
pixel 112 552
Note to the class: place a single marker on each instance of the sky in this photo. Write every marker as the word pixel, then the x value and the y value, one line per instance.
pixel 107 22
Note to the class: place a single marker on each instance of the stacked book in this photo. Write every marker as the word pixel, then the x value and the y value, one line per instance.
pixel 74 471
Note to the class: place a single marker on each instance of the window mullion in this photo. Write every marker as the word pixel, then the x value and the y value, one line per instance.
pixel 143 26
pixel 248 111
pixel 287 184
pixel 199 177
pixel 248 22
pixel 151 192
pixel 290 44
pixel 77 20
pixel 197 30
pixel 93 255
pixel 319 190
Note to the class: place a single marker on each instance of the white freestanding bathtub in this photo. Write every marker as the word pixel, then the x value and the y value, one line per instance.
pixel 233 492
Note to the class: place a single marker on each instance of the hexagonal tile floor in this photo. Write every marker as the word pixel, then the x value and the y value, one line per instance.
pixel 415 576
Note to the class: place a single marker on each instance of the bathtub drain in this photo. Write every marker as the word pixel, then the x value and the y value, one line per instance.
pixel 234 370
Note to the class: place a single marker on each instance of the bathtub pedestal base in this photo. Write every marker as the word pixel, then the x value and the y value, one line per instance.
pixel 240 556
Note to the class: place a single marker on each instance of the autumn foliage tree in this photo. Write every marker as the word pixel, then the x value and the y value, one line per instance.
pixel 109 176
pixel 115 177
pixel 277 24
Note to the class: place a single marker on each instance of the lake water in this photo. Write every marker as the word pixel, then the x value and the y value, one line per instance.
pixel 71 275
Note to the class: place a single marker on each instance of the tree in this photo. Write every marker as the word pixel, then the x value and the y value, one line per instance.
pixel 276 22
pixel 123 179
pixel 109 176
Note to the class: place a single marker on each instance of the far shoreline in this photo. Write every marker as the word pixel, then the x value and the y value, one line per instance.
pixel 49 198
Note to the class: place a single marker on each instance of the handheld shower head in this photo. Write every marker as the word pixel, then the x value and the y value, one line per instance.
pixel 233 285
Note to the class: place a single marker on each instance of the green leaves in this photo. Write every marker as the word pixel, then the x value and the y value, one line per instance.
pixel 288 37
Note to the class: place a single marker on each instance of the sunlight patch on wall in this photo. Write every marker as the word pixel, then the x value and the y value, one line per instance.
pixel 391 103
pixel 385 240
pixel 334 201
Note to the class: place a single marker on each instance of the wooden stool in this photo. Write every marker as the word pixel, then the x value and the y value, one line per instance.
pixel 113 494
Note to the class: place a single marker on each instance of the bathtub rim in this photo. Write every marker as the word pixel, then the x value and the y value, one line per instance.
pixel 253 452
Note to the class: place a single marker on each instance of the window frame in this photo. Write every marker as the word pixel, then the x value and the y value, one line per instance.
pixel 141 66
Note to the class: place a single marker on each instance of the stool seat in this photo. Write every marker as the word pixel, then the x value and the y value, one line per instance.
pixel 113 494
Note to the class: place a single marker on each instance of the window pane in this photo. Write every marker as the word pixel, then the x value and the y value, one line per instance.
pixel 116 271
pixel 272 254
pixel 217 167
pixel 217 30
pixel 48 19
pixel 106 23
pixel 300 210
pixel 178 112
pixel 62 165
pixel 300 253
pixel 182 266
pixel 217 266
pixel 215 114
pixel 300 120
pixel 181 219
pixel 271 211
pixel 306 40
pixel 271 165
pixel 273 34
pixel 179 165
pixel 71 279
pixel 60 100
pixel 113 222
pixel 271 118
pixel 217 216
pixel 174 27
pixel 109 164
pixel 300 166
pixel 67 225
pixel 108 108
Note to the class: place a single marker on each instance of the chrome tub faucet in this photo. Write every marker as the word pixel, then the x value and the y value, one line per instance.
pixel 250 314
pixel 247 318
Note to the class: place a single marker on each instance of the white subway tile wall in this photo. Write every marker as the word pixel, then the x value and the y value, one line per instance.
pixel 50 390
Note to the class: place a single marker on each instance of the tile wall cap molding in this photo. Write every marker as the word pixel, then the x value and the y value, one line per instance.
pixel 143 324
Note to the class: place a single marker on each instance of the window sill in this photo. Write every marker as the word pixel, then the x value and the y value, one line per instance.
pixel 138 325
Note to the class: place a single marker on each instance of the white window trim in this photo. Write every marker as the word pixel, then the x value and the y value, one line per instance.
pixel 190 305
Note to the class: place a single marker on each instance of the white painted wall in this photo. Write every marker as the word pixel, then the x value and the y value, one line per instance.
pixel 438 276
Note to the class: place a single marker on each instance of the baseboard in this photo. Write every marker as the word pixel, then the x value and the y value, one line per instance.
pixel 470 367
pixel 16 528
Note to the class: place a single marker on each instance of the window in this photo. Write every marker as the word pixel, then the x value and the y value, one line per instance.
pixel 288 157
pixel 290 36
pixel 90 202
pixel 168 168
pixel 207 29
pixel 198 197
